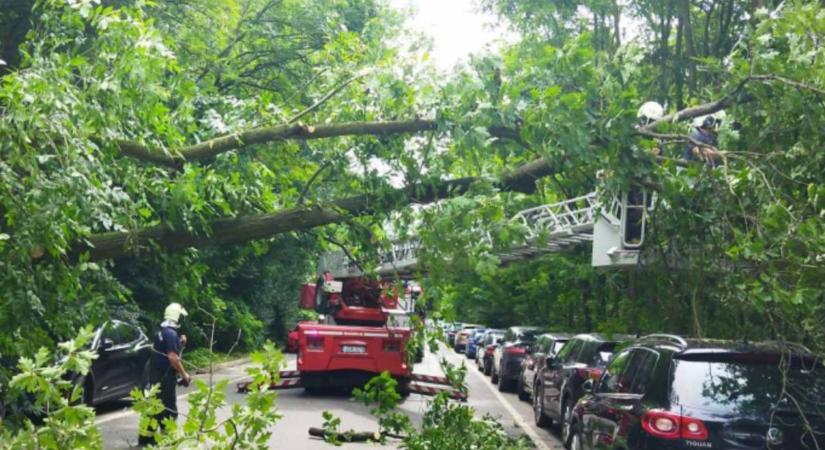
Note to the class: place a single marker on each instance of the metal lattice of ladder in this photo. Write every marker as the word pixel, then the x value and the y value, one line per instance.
pixel 553 227
pixel 548 228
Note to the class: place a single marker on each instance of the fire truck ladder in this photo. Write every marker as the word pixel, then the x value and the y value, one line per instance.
pixel 617 231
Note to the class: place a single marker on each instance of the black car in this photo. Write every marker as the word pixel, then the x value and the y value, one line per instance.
pixel 665 392
pixel 548 344
pixel 122 353
pixel 509 354
pixel 559 384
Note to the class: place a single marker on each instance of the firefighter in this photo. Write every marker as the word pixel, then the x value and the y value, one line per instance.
pixel 705 133
pixel 165 365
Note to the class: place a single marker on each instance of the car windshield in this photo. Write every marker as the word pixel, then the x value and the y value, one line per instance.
pixel 749 384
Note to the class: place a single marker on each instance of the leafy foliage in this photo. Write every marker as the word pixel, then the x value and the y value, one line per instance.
pixel 248 426
pixel 729 249
pixel 60 421
pixel 445 424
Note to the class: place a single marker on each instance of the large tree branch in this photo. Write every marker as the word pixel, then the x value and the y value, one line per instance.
pixel 700 110
pixel 247 228
pixel 213 147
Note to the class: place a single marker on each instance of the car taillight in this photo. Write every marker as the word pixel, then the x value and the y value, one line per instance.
pixel 589 373
pixel 315 342
pixel 392 345
pixel 667 425
pixel 515 351
pixel 490 349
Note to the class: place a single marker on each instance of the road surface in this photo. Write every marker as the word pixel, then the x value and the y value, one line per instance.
pixel 300 411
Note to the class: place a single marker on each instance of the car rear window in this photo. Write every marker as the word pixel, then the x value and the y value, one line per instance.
pixel 749 384
pixel 597 354
pixel 529 335
pixel 557 346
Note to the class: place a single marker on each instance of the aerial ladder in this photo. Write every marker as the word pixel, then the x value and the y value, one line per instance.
pixel 616 230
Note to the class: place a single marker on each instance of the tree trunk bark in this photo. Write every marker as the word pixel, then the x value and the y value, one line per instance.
pixel 235 141
pixel 246 228
pixel 690 50
pixel 679 64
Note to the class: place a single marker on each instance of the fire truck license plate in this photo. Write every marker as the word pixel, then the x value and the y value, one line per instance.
pixel 353 349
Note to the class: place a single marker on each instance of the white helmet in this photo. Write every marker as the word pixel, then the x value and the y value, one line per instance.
pixel 650 112
pixel 174 311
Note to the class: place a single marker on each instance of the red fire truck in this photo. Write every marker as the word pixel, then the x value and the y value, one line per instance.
pixel 354 340
pixel 353 343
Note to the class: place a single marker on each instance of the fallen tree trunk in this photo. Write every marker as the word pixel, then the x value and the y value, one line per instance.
pixel 213 147
pixel 347 436
pixel 246 228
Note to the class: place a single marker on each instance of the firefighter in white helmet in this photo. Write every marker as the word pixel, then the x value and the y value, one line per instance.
pixel 165 365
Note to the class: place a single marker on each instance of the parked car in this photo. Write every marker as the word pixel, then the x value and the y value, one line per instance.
pixel 509 354
pixel 462 335
pixel 547 344
pixel 665 392
pixel 122 353
pixel 559 384
pixel 472 343
pixel 484 357
pixel 451 330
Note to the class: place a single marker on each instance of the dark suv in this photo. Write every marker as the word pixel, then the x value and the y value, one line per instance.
pixel 559 385
pixel 665 392
pixel 547 344
pixel 122 352
pixel 509 354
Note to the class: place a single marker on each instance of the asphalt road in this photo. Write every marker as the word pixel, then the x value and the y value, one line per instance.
pixel 300 411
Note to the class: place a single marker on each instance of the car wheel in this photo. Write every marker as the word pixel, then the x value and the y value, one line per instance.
pixel 522 393
pixel 539 416
pixel 566 423
pixel 503 385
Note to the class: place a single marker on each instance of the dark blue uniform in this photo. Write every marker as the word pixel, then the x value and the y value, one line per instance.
pixel 166 340
pixel 161 372
pixel 705 137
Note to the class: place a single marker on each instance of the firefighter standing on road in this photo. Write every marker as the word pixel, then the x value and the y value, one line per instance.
pixel 165 365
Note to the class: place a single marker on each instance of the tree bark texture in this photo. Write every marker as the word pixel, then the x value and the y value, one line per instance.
pixel 214 147
pixel 251 227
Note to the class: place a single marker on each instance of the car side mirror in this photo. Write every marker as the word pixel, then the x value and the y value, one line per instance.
pixel 106 344
pixel 499 341
pixel 588 386
pixel 552 362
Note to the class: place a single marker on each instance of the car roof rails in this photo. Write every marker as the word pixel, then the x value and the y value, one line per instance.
pixel 672 338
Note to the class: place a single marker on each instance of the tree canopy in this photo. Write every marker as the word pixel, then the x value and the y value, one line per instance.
pixel 209 151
